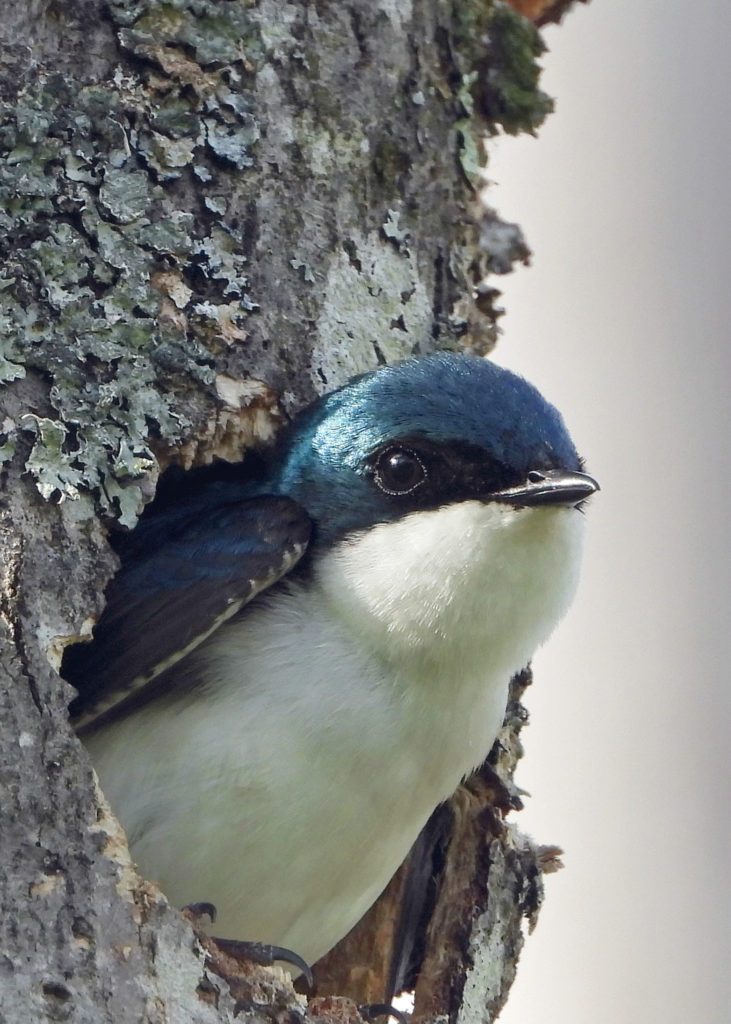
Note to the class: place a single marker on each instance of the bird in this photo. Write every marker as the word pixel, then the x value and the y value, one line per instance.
pixel 298 662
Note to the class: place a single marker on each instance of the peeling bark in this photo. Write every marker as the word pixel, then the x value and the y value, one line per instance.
pixel 210 212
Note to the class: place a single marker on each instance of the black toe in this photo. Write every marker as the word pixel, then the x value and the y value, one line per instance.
pixel 265 954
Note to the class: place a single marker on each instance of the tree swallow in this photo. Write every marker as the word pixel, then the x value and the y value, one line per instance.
pixel 294 669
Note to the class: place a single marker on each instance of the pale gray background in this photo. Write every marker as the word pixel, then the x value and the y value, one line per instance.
pixel 623 322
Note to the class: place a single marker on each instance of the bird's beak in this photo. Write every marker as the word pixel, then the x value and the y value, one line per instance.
pixel 549 487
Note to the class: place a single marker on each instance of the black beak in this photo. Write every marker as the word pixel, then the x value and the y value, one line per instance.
pixel 549 487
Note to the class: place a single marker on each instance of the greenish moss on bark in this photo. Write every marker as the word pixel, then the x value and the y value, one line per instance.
pixel 506 88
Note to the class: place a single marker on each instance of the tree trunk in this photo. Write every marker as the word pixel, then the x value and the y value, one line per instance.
pixel 213 210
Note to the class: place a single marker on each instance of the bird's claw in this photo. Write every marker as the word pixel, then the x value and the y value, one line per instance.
pixel 265 954
pixel 369 1012
pixel 194 911
pixel 260 952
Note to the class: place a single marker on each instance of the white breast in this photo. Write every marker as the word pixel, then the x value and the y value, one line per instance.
pixel 335 718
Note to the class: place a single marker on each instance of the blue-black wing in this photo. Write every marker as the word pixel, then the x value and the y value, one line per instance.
pixel 182 576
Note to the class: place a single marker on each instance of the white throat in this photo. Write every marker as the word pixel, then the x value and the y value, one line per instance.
pixel 455 601
pixel 457 589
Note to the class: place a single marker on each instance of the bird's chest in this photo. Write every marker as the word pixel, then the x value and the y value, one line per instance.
pixel 338 722
pixel 342 765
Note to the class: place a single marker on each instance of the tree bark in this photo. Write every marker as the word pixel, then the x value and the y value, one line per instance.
pixel 212 211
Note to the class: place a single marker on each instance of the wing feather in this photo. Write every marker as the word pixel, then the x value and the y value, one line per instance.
pixel 176 591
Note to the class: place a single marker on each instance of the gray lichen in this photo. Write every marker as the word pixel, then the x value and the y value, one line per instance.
pixel 90 231
pixel 363 283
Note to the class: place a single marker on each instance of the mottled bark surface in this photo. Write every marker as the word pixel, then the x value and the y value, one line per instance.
pixel 207 206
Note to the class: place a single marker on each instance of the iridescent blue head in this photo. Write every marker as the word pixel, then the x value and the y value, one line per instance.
pixel 426 433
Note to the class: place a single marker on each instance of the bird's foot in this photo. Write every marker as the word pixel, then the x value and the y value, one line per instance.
pixel 265 954
pixel 227 957
pixel 193 912
pixel 241 965
pixel 371 1011
pixel 344 1010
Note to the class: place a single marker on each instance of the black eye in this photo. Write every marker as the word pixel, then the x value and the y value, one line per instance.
pixel 399 471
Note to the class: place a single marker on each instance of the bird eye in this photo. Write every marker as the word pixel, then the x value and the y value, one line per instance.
pixel 399 471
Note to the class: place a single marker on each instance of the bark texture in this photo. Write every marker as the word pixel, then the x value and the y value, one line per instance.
pixel 210 212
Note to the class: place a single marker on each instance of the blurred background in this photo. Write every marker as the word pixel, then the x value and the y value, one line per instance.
pixel 622 321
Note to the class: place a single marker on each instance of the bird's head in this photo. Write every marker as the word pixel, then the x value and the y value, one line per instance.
pixel 423 434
